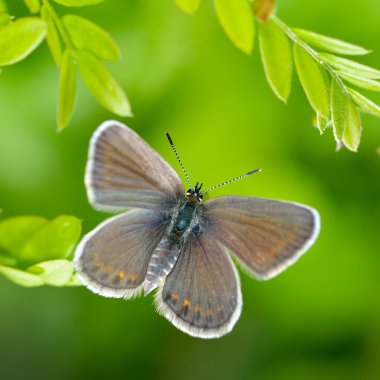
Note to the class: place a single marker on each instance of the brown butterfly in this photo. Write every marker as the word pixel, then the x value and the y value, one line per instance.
pixel 175 242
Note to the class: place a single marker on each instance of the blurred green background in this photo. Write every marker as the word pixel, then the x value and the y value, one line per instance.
pixel 319 319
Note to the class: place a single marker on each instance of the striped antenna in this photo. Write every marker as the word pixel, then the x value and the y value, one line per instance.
pixel 179 160
pixel 232 180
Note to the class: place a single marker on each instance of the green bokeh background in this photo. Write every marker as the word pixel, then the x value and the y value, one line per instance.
pixel 319 319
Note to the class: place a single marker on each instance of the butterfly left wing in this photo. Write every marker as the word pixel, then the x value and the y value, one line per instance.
pixel 201 295
pixel 265 235
pixel 112 260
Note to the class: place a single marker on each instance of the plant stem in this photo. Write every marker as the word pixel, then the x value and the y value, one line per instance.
pixel 61 28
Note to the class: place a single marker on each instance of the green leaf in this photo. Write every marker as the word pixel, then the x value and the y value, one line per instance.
pixel 7 260
pixel 313 81
pixel 21 277
pixel 364 103
pixel 353 130
pixel 330 44
pixel 33 5
pixel 77 3
pixel 67 89
pixel 322 123
pixel 3 6
pixel 351 67
pixel 19 38
pixel 366 83
pixel 5 19
pixel 102 85
pixel 54 241
pixel 236 19
pixel 52 37
pixel 53 272
pixel 338 109
pixel 16 231
pixel 188 6
pixel 276 56
pixel 89 36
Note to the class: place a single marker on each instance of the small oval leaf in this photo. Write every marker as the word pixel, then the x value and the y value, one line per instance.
pixel 322 123
pixel 16 231
pixel 353 130
pixel 102 85
pixel 21 277
pixel 89 36
pixel 276 56
pixel 236 18
pixel 53 272
pixel 19 38
pixel 313 81
pixel 33 5
pixel 338 110
pixel 351 67
pixel 54 241
pixel 77 3
pixel 67 90
pixel 188 6
pixel 366 83
pixel 52 37
pixel 364 103
pixel 330 44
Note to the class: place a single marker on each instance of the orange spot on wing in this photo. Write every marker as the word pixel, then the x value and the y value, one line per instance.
pixel 174 296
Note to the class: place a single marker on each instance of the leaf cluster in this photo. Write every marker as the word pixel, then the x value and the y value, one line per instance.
pixel 75 43
pixel 324 74
pixel 36 252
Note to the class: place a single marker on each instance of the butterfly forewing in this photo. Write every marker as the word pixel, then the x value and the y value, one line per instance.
pixel 201 295
pixel 124 171
pixel 266 236
pixel 113 259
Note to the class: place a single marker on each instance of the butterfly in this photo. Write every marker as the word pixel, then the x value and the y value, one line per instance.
pixel 175 242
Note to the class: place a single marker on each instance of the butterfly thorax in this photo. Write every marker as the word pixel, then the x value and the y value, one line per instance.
pixel 184 221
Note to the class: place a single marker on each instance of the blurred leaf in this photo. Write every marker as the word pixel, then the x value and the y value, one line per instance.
pixel 276 56
pixel 21 277
pixel 33 5
pixel 52 36
pixel 237 21
pixel 5 19
pixel 19 38
pixel 322 123
pixel 102 85
pixel 3 6
pixel 330 44
pixel 89 36
pixel 77 3
pixel 16 231
pixel 312 80
pixel 338 109
pixel 353 130
pixel 364 103
pixel 54 241
pixel 7 260
pixel 263 9
pixel 53 272
pixel 188 6
pixel 351 67
pixel 67 89
pixel 368 84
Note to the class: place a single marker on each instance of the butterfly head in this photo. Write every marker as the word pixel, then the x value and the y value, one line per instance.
pixel 195 195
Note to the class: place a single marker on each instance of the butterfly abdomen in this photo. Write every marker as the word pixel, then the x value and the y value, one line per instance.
pixel 169 248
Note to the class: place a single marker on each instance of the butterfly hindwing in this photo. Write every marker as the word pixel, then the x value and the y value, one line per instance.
pixel 124 171
pixel 265 235
pixel 112 260
pixel 201 295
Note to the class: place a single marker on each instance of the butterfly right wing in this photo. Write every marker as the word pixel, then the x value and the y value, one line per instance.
pixel 123 171
pixel 112 260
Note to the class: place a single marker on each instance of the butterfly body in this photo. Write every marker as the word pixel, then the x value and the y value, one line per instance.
pixel 175 242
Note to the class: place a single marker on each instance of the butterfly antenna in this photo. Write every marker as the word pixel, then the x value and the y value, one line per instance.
pixel 179 160
pixel 232 180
